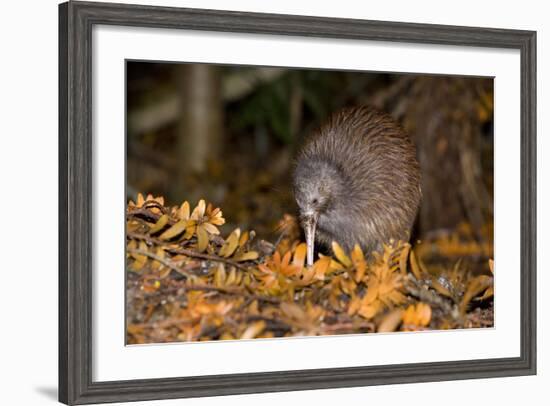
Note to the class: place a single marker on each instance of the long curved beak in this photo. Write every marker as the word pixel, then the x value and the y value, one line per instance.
pixel 309 222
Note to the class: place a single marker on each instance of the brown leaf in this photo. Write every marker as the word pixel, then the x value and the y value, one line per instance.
pixel 253 330
pixel 489 292
pixel 140 259
pixel 293 311
pixel 232 277
pixel 414 266
pixel 198 212
pixel 159 253
pixel 246 256
pixel 244 239
pixel 190 229
pixel 220 275
pixel 475 287
pixel 139 263
pixel 202 237
pixel 391 321
pixel 174 231
pixel 230 244
pixel 159 225
pixel 140 200
pixel 210 228
pixel 184 210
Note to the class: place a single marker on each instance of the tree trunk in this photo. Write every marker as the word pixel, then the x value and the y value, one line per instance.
pixel 200 127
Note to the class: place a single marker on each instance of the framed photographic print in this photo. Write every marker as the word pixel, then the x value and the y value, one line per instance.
pixel 258 202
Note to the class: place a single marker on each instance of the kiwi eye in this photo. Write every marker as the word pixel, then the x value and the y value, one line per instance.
pixel 315 201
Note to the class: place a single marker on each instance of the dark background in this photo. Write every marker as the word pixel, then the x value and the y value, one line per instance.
pixel 229 133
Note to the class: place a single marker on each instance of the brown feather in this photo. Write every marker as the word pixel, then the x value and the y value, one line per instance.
pixel 360 175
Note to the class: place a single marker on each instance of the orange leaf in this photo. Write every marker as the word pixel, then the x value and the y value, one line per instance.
pixel 372 292
pixel 341 255
pixel 321 266
pixel 370 310
pixel 403 258
pixel 359 263
pixel 300 255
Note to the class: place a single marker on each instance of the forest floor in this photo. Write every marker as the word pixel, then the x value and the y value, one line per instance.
pixel 186 282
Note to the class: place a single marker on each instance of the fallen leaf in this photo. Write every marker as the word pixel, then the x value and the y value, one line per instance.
pixel 390 321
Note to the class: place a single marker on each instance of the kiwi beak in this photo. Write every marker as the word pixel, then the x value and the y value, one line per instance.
pixel 309 222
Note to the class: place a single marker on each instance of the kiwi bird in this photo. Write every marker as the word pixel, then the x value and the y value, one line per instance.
pixel 357 181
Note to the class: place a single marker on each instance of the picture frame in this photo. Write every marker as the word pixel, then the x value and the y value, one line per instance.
pixel 76 352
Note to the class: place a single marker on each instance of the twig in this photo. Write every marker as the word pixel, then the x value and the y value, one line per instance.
pixel 215 258
pixel 143 212
pixel 345 326
pixel 232 291
pixel 209 288
pixel 163 261
pixel 162 324
pixel 189 253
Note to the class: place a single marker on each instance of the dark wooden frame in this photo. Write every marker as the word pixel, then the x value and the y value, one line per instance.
pixel 76 20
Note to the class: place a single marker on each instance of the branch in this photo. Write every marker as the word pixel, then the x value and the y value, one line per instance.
pixel 187 252
pixel 215 258
pixel 163 261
